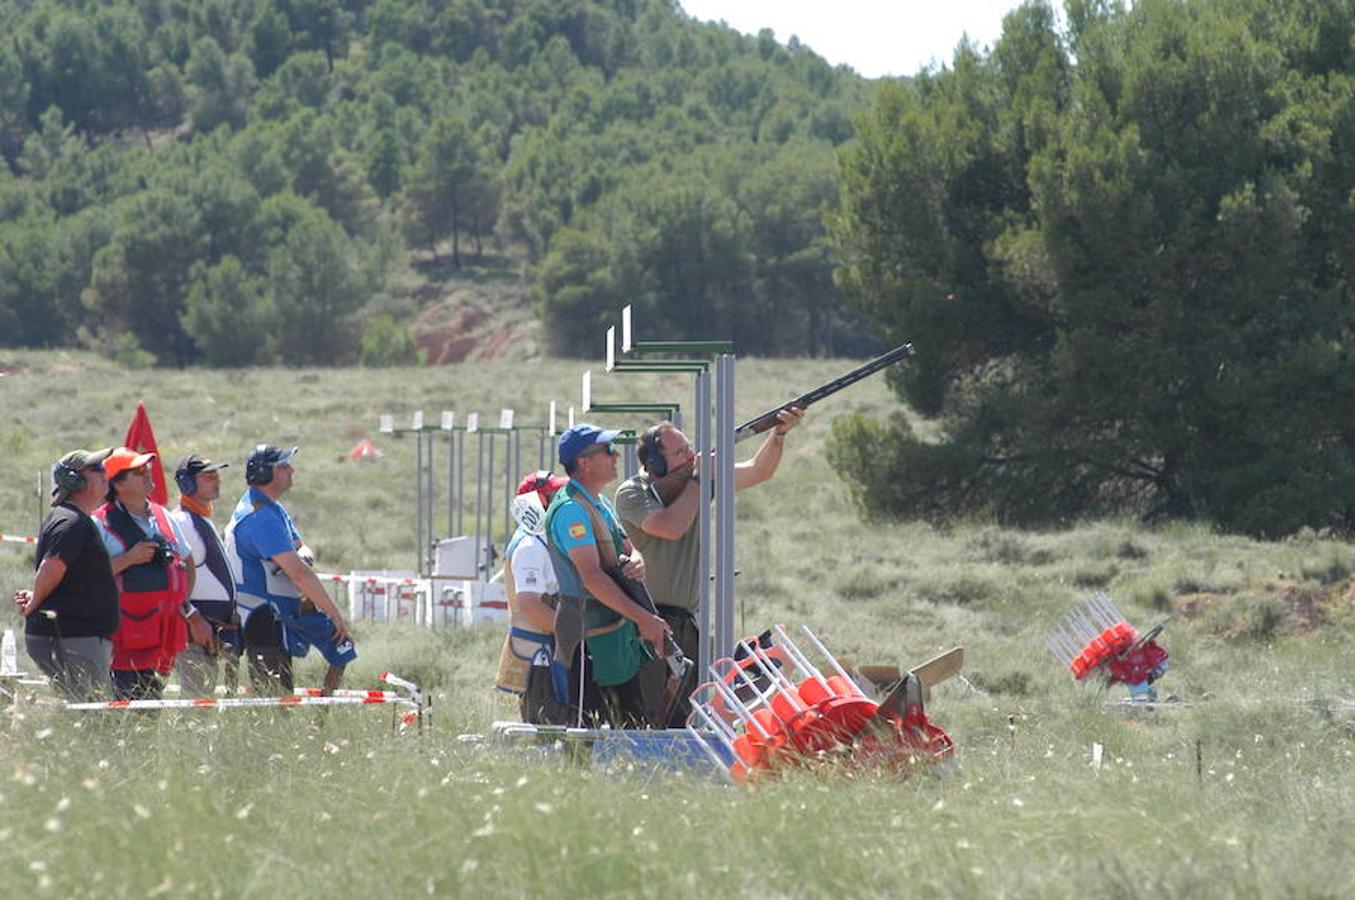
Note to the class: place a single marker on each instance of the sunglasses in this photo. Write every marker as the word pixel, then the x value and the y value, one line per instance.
pixel 609 449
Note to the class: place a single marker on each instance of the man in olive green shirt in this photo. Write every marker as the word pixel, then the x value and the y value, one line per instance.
pixel 658 508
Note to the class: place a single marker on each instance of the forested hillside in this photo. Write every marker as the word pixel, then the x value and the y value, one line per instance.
pixel 1126 247
pixel 237 182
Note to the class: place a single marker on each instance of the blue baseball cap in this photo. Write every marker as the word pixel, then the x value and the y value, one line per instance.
pixel 579 438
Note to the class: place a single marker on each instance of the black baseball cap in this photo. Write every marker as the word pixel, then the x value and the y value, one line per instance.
pixel 77 461
pixel 193 464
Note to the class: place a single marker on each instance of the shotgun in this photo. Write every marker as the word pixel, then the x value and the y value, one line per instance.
pixel 678 664
pixel 681 670
pixel 761 423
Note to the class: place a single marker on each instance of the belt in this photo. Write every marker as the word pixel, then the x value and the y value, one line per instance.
pixel 601 629
pixel 608 629
pixel 674 612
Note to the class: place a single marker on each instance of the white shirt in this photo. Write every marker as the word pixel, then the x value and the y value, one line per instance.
pixel 532 569
pixel 206 586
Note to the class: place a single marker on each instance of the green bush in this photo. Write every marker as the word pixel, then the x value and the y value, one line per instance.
pixel 385 343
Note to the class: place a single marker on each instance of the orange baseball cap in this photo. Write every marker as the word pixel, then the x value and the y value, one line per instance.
pixel 123 459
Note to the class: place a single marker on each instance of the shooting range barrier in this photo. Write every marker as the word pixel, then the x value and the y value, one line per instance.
pixel 407 703
pixel 433 602
pixel 406 699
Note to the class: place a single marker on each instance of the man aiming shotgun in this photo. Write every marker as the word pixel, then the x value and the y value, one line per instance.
pixel 659 509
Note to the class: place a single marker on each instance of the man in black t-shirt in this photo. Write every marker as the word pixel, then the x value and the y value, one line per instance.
pixel 72 610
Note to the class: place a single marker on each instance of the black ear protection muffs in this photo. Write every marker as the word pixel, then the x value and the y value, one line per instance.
pixel 651 453
pixel 68 480
pixel 259 466
pixel 187 482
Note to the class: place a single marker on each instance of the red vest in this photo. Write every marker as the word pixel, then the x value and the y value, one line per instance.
pixel 150 594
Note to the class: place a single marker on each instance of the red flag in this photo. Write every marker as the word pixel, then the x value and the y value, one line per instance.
pixel 141 438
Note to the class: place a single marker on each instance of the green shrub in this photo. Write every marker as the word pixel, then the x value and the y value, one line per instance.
pixel 385 343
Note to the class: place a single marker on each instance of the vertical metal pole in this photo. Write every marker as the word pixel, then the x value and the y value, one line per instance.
pixel 489 503
pixel 512 443
pixel 460 483
pixel 451 484
pixel 418 501
pixel 430 485
pixel 479 496
pixel 724 505
pixel 630 461
pixel 702 438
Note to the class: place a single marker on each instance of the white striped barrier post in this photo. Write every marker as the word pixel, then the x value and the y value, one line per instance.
pixel 415 694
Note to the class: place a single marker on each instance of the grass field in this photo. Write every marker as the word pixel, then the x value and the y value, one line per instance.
pixel 1244 791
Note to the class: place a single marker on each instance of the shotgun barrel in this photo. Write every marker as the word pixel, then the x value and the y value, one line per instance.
pixel 761 423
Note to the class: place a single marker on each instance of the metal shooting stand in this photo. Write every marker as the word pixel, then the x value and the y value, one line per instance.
pixel 497 457
pixel 712 426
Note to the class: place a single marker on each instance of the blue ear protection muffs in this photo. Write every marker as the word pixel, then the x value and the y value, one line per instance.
pixel 67 480
pixel 259 466
pixel 187 482
pixel 651 453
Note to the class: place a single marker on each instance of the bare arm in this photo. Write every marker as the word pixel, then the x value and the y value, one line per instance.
pixel 673 521
pixel 304 578
pixel 192 575
pixel 141 552
pixel 534 611
pixel 50 572
pixel 764 463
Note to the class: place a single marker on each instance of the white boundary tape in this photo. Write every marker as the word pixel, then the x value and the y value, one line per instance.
pixel 18 539
pixel 300 697
pixel 238 702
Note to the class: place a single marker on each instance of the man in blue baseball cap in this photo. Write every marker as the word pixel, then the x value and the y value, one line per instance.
pixel 602 635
